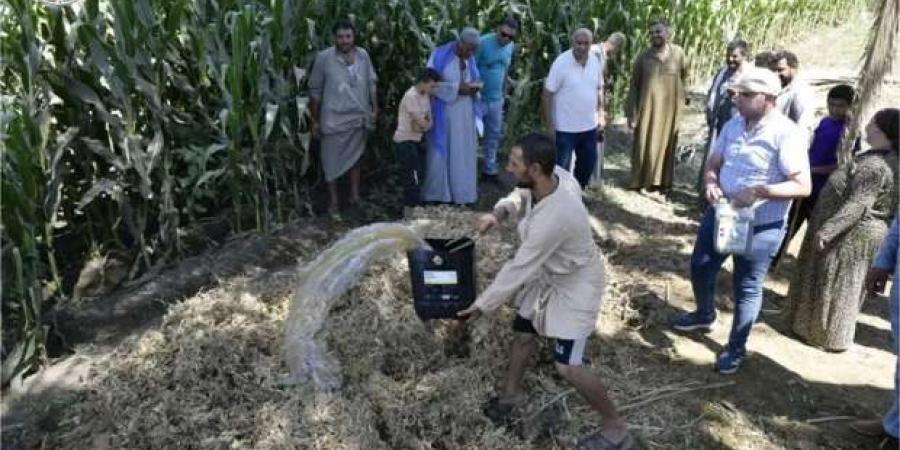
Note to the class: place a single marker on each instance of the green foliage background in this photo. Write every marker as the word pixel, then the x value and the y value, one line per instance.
pixel 125 122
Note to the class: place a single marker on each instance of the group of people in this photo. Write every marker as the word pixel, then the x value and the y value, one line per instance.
pixel 847 208
pixel 767 151
pixel 436 137
pixel 461 87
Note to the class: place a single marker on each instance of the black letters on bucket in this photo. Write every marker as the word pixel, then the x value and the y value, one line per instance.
pixel 443 282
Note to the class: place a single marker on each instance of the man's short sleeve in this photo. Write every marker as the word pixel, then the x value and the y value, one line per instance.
pixel 373 76
pixel 481 53
pixel 507 54
pixel 792 156
pixel 554 78
pixel 317 78
pixel 406 106
pixel 597 52
pixel 723 138
pixel 805 104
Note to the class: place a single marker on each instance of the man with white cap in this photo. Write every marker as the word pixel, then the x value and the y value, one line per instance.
pixel 759 159
pixel 451 161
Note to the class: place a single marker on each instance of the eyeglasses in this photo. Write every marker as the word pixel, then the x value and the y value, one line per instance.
pixel 507 35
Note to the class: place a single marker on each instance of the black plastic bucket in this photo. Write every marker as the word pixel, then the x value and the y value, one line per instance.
pixel 443 283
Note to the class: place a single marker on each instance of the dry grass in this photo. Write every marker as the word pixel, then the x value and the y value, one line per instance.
pixel 208 377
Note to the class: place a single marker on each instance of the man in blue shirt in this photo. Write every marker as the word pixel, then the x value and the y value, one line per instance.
pixel 887 263
pixel 493 58
pixel 759 160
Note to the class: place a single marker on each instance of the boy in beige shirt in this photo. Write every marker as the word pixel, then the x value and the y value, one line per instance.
pixel 413 120
pixel 557 278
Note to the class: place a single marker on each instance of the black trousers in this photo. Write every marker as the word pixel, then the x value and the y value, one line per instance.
pixel 411 160
pixel 801 210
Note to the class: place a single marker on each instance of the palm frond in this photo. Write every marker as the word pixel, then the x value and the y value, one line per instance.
pixel 878 60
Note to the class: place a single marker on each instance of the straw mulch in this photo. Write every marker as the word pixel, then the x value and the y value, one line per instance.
pixel 208 377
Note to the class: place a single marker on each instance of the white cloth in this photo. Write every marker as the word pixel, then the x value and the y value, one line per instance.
pixel 575 90
pixel 597 51
pixel 597 174
pixel 453 177
pixel 557 273
pixel 774 149
pixel 798 102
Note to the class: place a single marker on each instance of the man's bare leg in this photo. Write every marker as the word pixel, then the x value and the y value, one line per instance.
pixel 591 388
pixel 334 204
pixel 354 184
pixel 523 346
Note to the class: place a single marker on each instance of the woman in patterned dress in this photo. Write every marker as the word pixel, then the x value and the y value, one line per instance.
pixel 848 222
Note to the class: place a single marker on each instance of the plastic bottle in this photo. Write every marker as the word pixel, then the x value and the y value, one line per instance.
pixel 734 228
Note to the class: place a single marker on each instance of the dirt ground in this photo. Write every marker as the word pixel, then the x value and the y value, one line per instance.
pixel 786 396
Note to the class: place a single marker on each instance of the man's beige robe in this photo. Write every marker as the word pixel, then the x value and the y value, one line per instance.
pixel 557 274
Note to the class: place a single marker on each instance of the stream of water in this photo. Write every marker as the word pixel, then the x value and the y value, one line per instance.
pixel 335 271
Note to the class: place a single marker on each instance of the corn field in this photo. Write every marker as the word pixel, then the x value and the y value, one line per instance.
pixel 126 123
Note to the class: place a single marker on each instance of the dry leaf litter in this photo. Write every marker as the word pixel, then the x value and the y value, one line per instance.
pixel 211 375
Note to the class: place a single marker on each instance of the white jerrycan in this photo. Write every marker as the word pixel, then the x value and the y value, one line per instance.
pixel 734 228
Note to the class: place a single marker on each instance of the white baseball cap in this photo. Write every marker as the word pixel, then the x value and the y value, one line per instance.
pixel 758 80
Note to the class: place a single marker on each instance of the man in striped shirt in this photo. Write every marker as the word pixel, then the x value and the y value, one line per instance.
pixel 759 159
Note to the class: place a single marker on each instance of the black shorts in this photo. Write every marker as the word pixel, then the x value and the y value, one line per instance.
pixel 565 351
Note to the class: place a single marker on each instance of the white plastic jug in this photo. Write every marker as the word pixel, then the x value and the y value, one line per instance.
pixel 734 228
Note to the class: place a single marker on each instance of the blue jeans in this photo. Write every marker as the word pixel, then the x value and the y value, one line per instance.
pixel 891 420
pixel 749 275
pixel 493 134
pixel 585 146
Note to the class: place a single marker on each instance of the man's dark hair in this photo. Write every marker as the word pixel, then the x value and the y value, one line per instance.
pixel 763 59
pixel 510 21
pixel 428 74
pixel 788 56
pixel 842 92
pixel 538 148
pixel 343 24
pixel 738 44
pixel 887 120
pixel 659 20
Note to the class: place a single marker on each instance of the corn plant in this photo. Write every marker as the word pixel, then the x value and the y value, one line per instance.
pixel 125 122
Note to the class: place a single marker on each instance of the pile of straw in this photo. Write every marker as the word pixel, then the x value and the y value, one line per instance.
pixel 208 377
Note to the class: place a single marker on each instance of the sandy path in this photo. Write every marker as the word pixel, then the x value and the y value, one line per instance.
pixel 784 383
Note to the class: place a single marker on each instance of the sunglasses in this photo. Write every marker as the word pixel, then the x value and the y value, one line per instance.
pixel 507 35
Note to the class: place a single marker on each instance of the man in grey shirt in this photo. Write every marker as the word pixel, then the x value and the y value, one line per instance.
pixel 343 108
pixel 796 99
